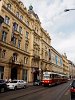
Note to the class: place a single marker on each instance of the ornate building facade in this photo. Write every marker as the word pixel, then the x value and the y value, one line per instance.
pixel 24 44
pixel 25 47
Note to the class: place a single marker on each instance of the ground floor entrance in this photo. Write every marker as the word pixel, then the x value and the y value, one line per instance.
pixel 1 72
pixel 14 73
pixel 35 75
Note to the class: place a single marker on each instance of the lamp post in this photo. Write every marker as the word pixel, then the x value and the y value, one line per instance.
pixel 68 10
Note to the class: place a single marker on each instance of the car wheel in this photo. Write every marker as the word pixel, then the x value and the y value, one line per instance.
pixel 2 90
pixel 15 88
pixel 24 86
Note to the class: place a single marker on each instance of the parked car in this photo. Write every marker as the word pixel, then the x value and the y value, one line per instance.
pixel 72 89
pixel 3 86
pixel 37 82
pixel 15 84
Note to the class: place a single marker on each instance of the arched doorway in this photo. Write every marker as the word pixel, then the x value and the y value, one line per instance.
pixel 14 73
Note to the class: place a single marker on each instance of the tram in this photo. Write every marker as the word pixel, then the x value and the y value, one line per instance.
pixel 52 78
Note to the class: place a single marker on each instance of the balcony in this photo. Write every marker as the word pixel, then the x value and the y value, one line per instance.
pixel 16 33
pixel 5 27
pixel 36 57
pixel 19 62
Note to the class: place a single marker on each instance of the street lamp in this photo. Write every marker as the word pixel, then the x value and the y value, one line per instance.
pixel 68 10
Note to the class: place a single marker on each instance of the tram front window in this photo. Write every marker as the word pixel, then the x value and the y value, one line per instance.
pixel 46 77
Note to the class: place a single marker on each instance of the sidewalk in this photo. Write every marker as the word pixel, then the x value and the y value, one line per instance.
pixel 29 84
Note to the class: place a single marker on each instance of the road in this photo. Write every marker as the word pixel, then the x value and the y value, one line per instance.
pixel 59 92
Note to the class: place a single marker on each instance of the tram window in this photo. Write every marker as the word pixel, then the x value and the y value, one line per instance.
pixel 52 75
pixel 46 77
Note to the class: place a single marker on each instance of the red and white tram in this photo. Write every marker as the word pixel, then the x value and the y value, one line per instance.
pixel 51 78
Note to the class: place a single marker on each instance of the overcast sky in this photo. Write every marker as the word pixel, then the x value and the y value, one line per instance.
pixel 59 24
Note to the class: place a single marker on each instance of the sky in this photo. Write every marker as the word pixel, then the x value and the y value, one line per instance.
pixel 59 24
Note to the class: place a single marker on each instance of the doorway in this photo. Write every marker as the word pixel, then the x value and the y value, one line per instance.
pixel 14 73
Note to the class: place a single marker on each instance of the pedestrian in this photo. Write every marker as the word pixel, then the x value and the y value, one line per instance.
pixel 9 79
pixel 6 80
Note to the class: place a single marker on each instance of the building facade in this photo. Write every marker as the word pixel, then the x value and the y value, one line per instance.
pixel 65 65
pixel 56 61
pixel 25 47
pixel 71 69
pixel 24 44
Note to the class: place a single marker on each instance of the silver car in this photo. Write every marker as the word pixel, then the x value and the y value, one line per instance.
pixel 15 84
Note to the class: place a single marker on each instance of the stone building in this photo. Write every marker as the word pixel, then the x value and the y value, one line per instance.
pixel 65 65
pixel 56 61
pixel 24 44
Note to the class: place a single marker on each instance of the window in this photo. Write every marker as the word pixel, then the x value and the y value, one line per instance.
pixel 19 43
pixel 13 39
pixel 14 57
pixel 3 53
pixel 21 17
pixel 15 26
pixel 4 34
pixel 7 20
pixel 17 14
pixel 20 30
pixel 49 54
pixel 27 22
pixel 56 59
pixel 61 61
pixel 9 6
pixel 26 47
pixel 24 76
pixel 27 34
pixel 25 60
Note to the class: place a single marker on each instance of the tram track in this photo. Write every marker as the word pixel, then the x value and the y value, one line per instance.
pixel 31 92
pixel 22 92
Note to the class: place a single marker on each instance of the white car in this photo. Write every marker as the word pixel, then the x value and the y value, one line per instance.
pixel 15 84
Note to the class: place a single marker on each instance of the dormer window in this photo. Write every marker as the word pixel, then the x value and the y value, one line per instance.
pixel 9 6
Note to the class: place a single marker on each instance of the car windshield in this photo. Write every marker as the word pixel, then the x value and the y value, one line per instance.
pixel 13 82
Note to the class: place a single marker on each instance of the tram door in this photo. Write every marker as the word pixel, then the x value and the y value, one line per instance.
pixel 14 73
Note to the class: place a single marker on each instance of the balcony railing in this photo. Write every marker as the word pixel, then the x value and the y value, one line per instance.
pixel 5 27
pixel 19 62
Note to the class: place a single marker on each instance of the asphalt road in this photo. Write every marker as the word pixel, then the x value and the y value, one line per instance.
pixel 59 92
